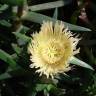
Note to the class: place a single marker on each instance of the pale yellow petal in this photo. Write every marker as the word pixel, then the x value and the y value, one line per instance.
pixel 51 48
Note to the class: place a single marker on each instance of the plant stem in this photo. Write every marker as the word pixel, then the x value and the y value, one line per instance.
pixel 17 22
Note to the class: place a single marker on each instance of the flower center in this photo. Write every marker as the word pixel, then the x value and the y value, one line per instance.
pixel 52 52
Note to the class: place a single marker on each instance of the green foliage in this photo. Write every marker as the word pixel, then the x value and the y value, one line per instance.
pixel 76 61
pixel 39 18
pixel 12 2
pixel 5 23
pixel 18 22
pixel 3 7
pixel 22 36
pixel 7 58
pixel 55 15
pixel 16 48
pixel 49 5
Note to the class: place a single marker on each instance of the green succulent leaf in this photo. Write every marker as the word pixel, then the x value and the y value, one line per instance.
pixel 5 23
pixel 78 62
pixel 51 87
pixel 49 5
pixel 39 18
pixel 7 58
pixel 55 15
pixel 10 73
pixel 22 29
pixel 21 37
pixel 5 76
pixel 12 2
pixel 16 48
pixel 3 7
pixel 40 87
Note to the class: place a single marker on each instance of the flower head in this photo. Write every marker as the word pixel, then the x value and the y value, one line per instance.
pixel 52 48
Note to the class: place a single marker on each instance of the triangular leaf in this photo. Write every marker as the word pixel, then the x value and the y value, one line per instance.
pixel 12 2
pixel 40 87
pixel 16 48
pixel 23 39
pixel 55 15
pixel 5 76
pixel 7 58
pixel 3 7
pixel 49 5
pixel 8 73
pixel 5 23
pixel 78 62
pixel 39 18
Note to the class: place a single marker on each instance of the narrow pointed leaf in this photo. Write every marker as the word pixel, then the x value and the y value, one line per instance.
pixel 22 29
pixel 51 87
pixel 5 23
pixel 40 87
pixel 55 15
pixel 49 5
pixel 16 48
pixel 22 36
pixel 7 58
pixel 3 7
pixel 12 2
pixel 22 39
pixel 78 62
pixel 39 18
pixel 5 76
pixel 8 73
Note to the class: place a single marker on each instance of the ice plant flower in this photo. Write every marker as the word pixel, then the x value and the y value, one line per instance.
pixel 52 48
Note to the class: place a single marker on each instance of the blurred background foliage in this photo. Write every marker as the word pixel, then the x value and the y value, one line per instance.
pixel 18 20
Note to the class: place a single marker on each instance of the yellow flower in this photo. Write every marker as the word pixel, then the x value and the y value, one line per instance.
pixel 52 48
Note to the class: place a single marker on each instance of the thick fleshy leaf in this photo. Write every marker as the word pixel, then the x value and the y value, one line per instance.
pixel 3 7
pixel 16 48
pixel 5 76
pixel 49 5
pixel 22 29
pixel 7 58
pixel 40 87
pixel 12 2
pixel 51 87
pixel 55 15
pixel 5 23
pixel 39 18
pixel 22 39
pixel 22 36
pixel 78 62
pixel 10 72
